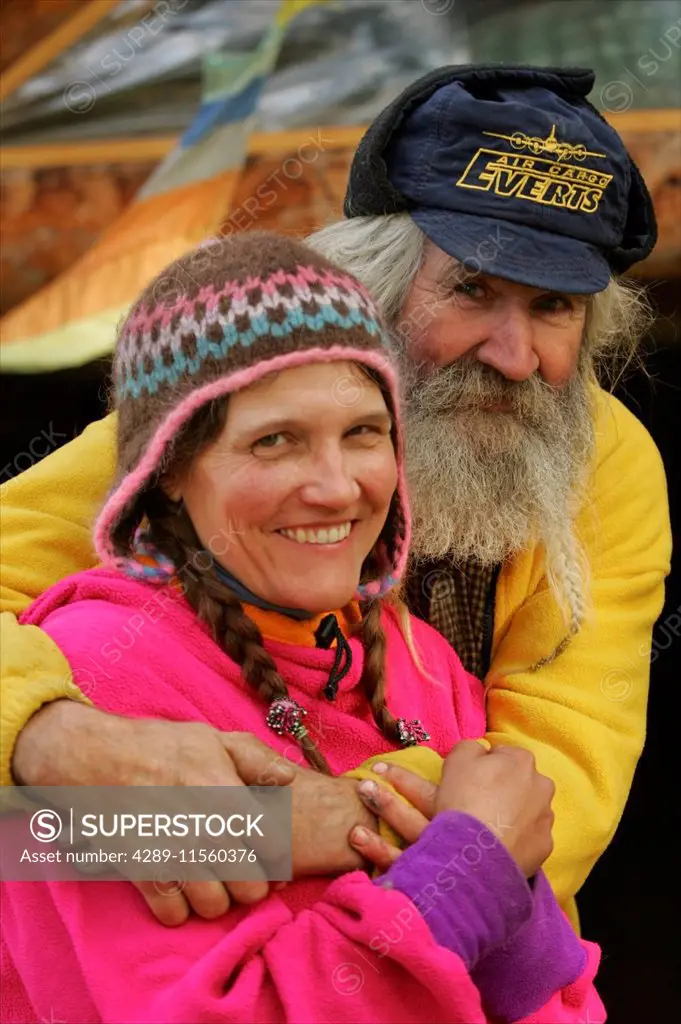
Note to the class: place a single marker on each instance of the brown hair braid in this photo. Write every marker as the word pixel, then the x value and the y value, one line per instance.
pixel 373 675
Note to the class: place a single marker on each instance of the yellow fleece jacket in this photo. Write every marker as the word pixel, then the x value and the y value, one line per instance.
pixel 583 716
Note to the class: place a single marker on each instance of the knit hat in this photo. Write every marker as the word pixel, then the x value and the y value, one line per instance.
pixel 217 320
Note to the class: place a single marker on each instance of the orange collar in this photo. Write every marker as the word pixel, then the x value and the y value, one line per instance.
pixel 274 626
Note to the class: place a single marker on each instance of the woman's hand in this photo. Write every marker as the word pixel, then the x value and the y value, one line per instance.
pixel 501 788
pixel 408 820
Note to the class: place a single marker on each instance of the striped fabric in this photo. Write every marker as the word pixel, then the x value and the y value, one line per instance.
pixel 159 347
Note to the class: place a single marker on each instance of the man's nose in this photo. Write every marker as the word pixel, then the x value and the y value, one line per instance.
pixel 330 480
pixel 509 347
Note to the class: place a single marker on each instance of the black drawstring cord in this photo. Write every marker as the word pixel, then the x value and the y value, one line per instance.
pixel 327 631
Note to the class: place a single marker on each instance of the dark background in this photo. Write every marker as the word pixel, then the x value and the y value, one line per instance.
pixel 630 903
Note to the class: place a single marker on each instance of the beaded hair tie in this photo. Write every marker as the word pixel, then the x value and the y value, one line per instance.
pixel 285 715
pixel 148 563
pixel 411 732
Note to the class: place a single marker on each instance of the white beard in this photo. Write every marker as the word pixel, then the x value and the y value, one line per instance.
pixel 484 485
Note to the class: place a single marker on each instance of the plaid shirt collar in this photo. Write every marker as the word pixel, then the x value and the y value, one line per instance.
pixel 457 600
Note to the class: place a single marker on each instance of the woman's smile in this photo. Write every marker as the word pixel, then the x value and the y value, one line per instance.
pixel 331 535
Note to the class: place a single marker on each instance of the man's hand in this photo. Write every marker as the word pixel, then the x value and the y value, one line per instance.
pixel 71 744
pixel 67 743
pixel 325 809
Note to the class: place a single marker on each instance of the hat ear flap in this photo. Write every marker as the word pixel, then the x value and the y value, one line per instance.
pixel 384 566
pixel 640 229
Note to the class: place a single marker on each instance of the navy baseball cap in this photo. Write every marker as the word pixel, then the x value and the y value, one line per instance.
pixel 511 171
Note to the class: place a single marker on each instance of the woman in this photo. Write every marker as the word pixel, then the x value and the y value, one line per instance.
pixel 260 491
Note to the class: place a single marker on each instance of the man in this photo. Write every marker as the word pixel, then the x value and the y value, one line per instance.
pixel 488 210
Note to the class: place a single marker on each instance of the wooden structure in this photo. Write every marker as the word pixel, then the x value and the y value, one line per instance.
pixel 57 199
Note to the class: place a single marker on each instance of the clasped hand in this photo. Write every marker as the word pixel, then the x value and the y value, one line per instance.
pixel 501 788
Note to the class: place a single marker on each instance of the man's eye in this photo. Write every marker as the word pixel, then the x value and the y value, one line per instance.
pixel 554 304
pixel 469 289
pixel 270 441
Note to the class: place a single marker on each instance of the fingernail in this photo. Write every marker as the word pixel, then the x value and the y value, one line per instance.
pixel 380 767
pixel 368 789
pixel 360 836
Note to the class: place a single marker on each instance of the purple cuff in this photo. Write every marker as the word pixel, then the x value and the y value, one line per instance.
pixel 544 956
pixel 513 938
pixel 464 883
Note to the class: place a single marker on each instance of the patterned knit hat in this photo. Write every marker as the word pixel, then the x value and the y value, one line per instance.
pixel 215 321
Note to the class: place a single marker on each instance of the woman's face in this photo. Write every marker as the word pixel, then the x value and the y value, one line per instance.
pixel 293 494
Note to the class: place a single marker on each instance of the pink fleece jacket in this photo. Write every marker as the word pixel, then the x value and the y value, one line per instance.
pixel 91 951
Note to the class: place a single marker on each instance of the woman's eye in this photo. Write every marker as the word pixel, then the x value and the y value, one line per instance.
pixel 270 441
pixel 363 430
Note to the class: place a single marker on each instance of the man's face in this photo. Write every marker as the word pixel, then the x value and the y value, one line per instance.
pixel 498 425
pixel 516 330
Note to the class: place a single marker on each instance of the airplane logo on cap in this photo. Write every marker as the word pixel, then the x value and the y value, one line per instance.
pixel 544 176
pixel 550 145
